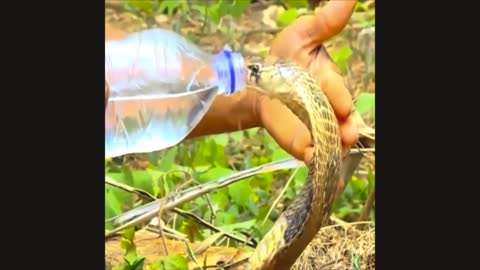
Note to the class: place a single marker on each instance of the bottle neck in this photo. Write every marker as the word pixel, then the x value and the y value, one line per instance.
pixel 230 71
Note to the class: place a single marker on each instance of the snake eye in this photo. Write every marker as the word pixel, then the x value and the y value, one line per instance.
pixel 255 71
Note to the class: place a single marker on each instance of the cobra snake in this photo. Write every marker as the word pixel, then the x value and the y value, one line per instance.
pixel 301 221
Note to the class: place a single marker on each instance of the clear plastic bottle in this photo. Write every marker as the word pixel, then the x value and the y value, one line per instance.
pixel 160 87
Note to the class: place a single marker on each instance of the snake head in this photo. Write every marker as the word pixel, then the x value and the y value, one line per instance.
pixel 275 79
pixel 254 72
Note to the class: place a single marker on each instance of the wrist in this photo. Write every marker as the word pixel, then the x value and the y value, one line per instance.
pixel 229 114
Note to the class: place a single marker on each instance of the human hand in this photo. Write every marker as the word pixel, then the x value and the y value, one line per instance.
pixel 302 42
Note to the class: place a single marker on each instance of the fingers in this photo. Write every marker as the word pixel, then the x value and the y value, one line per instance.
pixel 349 132
pixel 308 155
pixel 330 20
pixel 332 85
pixel 292 135
pixel 285 127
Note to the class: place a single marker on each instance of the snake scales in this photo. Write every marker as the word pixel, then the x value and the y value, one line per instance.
pixel 300 222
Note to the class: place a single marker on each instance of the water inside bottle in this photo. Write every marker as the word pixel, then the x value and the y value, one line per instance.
pixel 146 123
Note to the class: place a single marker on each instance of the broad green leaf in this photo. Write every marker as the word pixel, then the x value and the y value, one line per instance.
pixel 216 11
pixel 241 225
pixel 157 177
pixel 137 264
pixel 279 154
pixel 253 131
pixel 123 198
pixel 168 159
pixel 200 8
pixel 366 104
pixel 290 193
pixel 237 136
pixel 340 57
pixel 127 241
pixel 214 174
pixel 296 3
pixel 225 218
pixel 201 154
pixel 263 228
pixel 262 212
pixel 142 180
pixel 143 5
pixel 258 160
pixel 209 153
pixel 170 262
pixel 240 192
pixel 358 185
pixel 219 158
pixel 252 207
pixel 234 210
pixel 263 181
pixel 220 200
pixel 300 178
pixel 287 17
pixel 239 7
pixel 221 139
pixel 262 195
pixel 113 206
pixel 169 6
pixel 271 143
pixel 360 7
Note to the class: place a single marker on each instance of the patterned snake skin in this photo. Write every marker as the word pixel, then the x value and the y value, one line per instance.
pixel 301 221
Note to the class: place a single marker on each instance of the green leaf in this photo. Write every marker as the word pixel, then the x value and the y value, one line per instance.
pixel 237 136
pixel 220 200
pixel 166 163
pixel 296 3
pixel 263 181
pixel 241 225
pixel 128 236
pixel 240 192
pixel 170 262
pixel 221 139
pixel 359 7
pixel 287 17
pixel 225 218
pixel 340 57
pixel 252 131
pixel 279 154
pixel 137 264
pixel 263 228
pixel 113 206
pixel 144 5
pixel 214 174
pixel 239 7
pixel 122 199
pixel 169 6
pixel 216 11
pixel 252 207
pixel 142 180
pixel 203 154
pixel 366 104
pixel 300 178
pixel 157 176
pixel 358 185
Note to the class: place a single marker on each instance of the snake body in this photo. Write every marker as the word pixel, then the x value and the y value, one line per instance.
pixel 301 221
